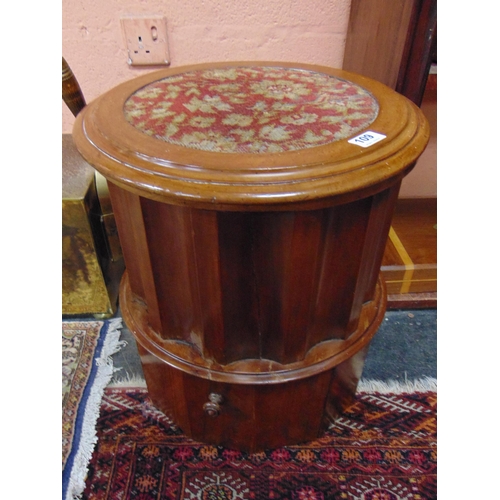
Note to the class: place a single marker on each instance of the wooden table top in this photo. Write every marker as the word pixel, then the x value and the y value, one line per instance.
pixel 251 135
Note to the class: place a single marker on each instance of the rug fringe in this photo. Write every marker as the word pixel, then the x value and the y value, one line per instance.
pixel 104 363
pixel 135 381
pixel 426 384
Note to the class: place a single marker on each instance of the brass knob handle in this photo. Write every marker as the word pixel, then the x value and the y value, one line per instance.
pixel 212 407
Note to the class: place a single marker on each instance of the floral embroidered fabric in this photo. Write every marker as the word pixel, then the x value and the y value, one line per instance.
pixel 251 109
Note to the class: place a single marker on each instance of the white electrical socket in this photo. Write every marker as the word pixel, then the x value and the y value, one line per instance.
pixel 146 40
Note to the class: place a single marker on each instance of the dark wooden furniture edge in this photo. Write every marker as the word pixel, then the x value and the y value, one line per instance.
pixel 426 300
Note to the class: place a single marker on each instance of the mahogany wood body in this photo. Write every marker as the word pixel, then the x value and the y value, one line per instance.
pixel 252 284
pixel 273 311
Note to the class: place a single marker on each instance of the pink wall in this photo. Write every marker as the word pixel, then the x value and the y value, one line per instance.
pixel 311 31
pixel 200 31
pixel 421 182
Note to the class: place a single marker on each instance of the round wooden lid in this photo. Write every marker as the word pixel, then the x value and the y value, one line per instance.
pixel 251 135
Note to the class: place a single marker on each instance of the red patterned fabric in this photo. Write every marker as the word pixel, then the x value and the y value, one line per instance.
pixel 382 448
pixel 251 110
pixel 79 344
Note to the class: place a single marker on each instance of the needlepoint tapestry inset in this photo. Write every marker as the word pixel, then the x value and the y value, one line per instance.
pixel 251 109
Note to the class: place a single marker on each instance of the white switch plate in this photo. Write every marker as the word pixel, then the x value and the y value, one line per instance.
pixel 146 41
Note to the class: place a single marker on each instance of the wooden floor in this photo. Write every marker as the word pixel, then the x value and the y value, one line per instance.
pixel 409 266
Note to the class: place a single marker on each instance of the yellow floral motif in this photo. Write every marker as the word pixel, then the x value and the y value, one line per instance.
pixel 266 117
pixel 343 130
pixel 354 116
pixel 225 88
pixel 368 434
pixel 311 137
pixel 108 447
pixel 236 119
pixel 359 104
pixel 136 112
pixel 300 119
pixel 274 148
pixel 332 119
pixel 201 121
pixel 273 133
pixel 258 456
pixel 284 106
pixel 222 74
pixel 258 147
pixel 209 141
pixel 146 483
pixel 245 135
pixel 193 91
pixel 151 451
pixel 175 79
pixel 174 88
pixel 351 455
pixel 209 453
pixel 195 138
pixel 207 105
pixel 172 93
pixel 179 118
pixel 303 77
pixel 305 456
pixel 150 92
pixel 280 89
pixel 393 456
pixel 237 98
pixel 162 111
pixel 171 130
pixel 259 106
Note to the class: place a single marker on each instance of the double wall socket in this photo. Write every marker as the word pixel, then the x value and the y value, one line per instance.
pixel 146 40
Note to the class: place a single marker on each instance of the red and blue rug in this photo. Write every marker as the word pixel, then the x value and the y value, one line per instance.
pixel 87 368
pixel 383 448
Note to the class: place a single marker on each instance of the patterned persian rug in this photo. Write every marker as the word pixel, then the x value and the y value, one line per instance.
pixel 87 368
pixel 382 448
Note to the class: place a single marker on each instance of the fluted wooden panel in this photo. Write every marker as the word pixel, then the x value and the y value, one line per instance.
pixel 250 285
pixel 130 223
